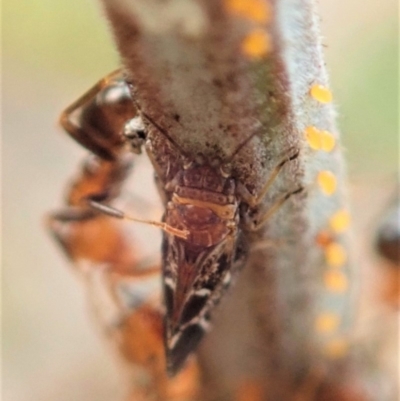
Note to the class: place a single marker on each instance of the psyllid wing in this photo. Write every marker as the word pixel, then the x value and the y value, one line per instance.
pixel 194 282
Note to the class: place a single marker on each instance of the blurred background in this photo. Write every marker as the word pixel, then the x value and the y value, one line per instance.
pixel 53 52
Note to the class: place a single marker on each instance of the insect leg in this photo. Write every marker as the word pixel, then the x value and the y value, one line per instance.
pixel 254 220
pixel 124 294
pixel 254 200
pixel 96 176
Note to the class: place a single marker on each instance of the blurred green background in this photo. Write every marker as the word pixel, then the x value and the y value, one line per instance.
pixel 52 52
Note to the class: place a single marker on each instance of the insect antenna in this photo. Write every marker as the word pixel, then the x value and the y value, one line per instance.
pixel 164 132
pixel 181 151
pixel 241 146
pixel 112 212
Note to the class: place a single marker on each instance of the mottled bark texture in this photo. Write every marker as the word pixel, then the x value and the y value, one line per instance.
pixel 212 73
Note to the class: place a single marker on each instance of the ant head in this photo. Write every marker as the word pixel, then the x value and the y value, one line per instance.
pixel 135 132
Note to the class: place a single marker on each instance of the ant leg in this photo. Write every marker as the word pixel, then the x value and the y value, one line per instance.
pixel 125 294
pixel 96 120
pixel 98 240
pixel 101 182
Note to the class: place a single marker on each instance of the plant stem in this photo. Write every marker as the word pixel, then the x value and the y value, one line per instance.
pixel 212 73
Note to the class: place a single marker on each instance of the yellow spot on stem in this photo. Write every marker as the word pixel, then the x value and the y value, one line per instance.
pixel 323 238
pixel 327 182
pixel 335 281
pixel 313 137
pixel 337 348
pixel 257 43
pixel 340 221
pixel 257 10
pixel 328 141
pixel 321 93
pixel 335 254
pixel 327 322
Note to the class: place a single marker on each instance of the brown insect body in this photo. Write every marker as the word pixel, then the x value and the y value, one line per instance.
pixel 197 269
pixel 204 204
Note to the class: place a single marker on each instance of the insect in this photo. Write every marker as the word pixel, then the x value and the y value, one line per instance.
pixel 388 237
pixel 387 243
pixel 125 293
pixel 208 211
